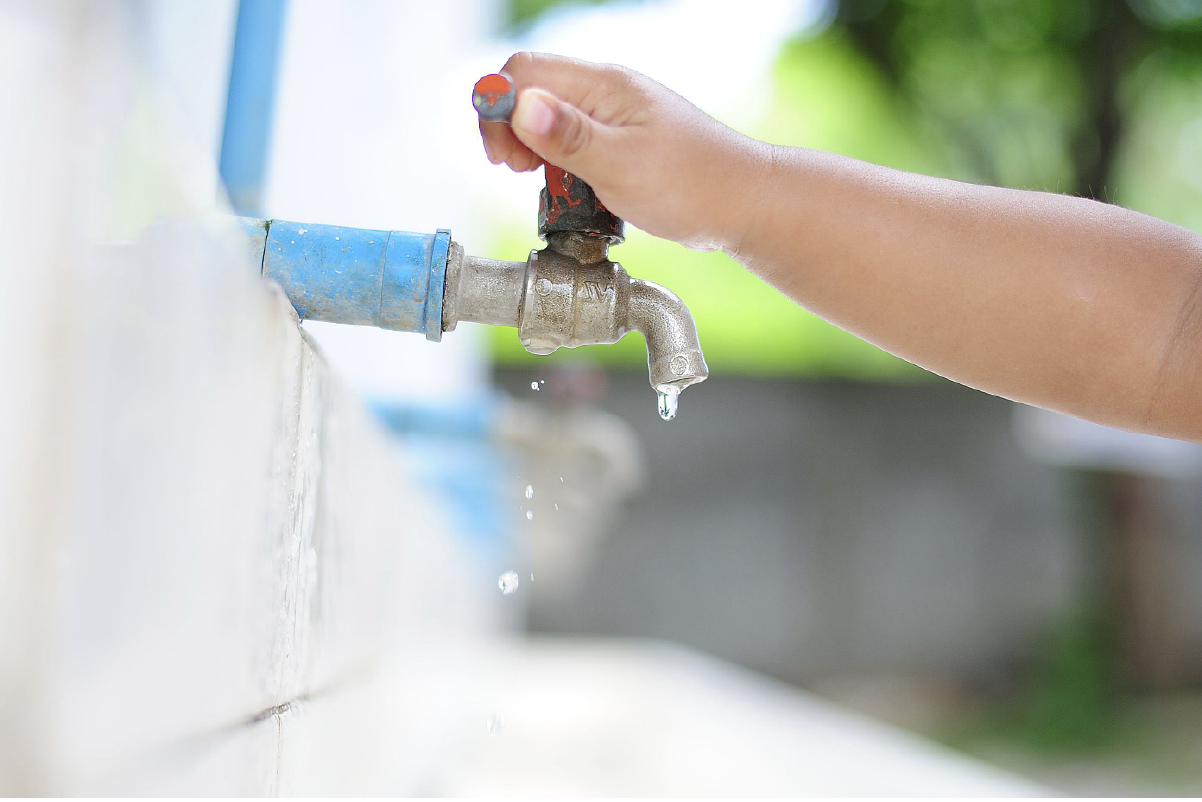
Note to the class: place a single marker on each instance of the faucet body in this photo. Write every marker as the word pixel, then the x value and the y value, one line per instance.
pixel 570 294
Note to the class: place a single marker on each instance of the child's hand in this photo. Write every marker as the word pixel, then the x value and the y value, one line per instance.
pixel 652 157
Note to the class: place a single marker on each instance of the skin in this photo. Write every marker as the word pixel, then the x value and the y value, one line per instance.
pixel 1056 301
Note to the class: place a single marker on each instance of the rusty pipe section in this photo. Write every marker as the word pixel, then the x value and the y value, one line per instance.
pixel 570 294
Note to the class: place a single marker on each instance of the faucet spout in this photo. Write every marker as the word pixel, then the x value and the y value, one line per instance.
pixel 674 357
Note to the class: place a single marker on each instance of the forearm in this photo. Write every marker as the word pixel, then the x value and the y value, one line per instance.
pixel 1062 302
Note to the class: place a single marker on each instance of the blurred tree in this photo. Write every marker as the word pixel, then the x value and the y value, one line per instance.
pixel 1025 93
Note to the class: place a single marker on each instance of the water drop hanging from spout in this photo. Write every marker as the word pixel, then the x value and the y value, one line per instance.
pixel 668 397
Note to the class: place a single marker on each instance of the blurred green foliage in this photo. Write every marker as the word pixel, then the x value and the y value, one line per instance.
pixel 522 13
pixel 1029 93
pixel 1091 97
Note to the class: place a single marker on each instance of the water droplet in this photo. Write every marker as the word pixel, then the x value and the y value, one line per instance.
pixel 508 582
pixel 529 491
pixel 668 395
pixel 534 386
pixel 495 724
pixel 529 515
pixel 532 577
pixel 557 505
pixel 561 480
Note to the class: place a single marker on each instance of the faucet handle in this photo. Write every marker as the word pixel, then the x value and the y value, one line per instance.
pixel 493 97
pixel 566 204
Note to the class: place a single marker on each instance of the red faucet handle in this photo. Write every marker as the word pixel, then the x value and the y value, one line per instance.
pixel 493 97
pixel 568 204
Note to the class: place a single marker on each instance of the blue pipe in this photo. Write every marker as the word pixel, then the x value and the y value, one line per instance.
pixel 250 104
pixel 390 279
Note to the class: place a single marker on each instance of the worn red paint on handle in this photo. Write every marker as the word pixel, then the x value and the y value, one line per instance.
pixel 559 184
pixel 492 88
pixel 559 187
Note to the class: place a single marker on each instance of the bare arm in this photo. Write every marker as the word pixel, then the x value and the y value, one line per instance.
pixel 1056 301
pixel 1061 302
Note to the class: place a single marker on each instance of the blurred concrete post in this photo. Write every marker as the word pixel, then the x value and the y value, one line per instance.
pixel 1139 586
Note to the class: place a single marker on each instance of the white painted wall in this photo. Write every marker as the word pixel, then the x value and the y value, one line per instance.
pixel 200 524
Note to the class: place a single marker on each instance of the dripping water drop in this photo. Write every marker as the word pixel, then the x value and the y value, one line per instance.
pixel 529 491
pixel 668 396
pixel 508 582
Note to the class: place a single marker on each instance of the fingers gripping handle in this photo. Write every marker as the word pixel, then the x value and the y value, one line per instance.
pixel 566 203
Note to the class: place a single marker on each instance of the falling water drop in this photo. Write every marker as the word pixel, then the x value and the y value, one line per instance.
pixel 529 491
pixel 529 515
pixel 534 386
pixel 668 395
pixel 495 724
pixel 508 582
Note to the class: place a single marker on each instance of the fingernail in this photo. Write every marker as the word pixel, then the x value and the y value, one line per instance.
pixel 533 115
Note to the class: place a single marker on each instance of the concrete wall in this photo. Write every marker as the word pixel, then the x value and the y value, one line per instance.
pixel 206 543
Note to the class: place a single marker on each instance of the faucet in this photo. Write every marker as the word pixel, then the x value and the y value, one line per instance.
pixel 568 294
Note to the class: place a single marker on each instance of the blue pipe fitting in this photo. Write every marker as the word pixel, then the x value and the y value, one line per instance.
pixel 390 279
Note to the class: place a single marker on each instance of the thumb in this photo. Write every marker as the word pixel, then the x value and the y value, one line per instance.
pixel 560 133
